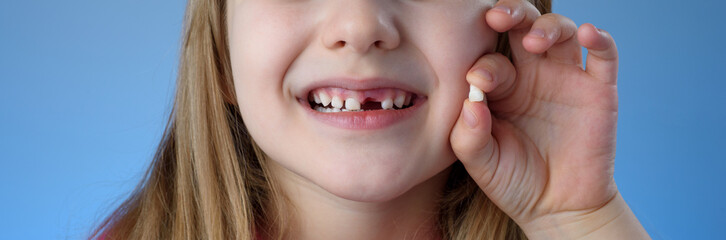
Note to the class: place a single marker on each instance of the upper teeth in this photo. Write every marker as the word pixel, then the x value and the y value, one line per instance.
pixel 334 99
pixel 337 103
pixel 352 104
pixel 399 100
pixel 316 97
pixel 387 104
pixel 324 99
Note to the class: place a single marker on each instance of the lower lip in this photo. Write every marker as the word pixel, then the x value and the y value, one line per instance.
pixel 364 120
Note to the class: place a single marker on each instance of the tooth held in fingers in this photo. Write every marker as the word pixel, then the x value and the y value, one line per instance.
pixel 324 99
pixel 352 104
pixel 387 104
pixel 336 102
pixel 475 94
pixel 399 100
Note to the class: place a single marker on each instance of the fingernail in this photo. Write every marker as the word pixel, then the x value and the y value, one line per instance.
pixel 475 94
pixel 469 117
pixel 538 33
pixel 480 75
pixel 502 9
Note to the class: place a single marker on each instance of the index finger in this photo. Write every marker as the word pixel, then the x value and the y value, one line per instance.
pixel 509 15
pixel 517 17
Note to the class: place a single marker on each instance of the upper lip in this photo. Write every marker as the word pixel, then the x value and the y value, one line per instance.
pixel 360 84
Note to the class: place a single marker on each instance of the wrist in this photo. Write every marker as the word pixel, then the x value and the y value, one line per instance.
pixel 614 220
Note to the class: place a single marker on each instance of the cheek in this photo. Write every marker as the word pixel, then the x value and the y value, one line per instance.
pixel 452 41
pixel 260 53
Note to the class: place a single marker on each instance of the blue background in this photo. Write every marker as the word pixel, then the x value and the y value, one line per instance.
pixel 86 87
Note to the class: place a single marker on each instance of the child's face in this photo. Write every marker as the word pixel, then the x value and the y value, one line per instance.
pixel 285 51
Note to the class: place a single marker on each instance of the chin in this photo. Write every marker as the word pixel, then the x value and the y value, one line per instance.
pixel 376 176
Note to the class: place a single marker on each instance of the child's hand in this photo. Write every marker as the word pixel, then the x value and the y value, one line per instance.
pixel 543 148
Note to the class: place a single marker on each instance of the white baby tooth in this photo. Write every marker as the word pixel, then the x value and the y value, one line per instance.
pixel 475 94
pixel 387 104
pixel 324 99
pixel 336 102
pixel 399 101
pixel 316 98
pixel 335 109
pixel 408 100
pixel 352 104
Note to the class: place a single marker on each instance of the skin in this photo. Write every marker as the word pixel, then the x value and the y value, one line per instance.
pixel 543 147
pixel 382 184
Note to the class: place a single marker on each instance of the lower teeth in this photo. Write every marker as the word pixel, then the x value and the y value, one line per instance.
pixel 324 109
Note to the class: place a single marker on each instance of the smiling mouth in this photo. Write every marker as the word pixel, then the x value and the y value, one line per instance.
pixel 333 99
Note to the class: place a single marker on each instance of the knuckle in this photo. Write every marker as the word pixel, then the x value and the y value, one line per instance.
pixel 457 143
pixel 524 3
pixel 489 63
pixel 530 8
pixel 507 3
pixel 520 5
pixel 557 25
pixel 548 20
pixel 552 16
pixel 512 2
pixel 564 22
pixel 503 62
pixel 499 57
pixel 485 62
pixel 463 149
pixel 568 24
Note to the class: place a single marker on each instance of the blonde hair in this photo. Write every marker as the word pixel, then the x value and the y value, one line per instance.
pixel 208 179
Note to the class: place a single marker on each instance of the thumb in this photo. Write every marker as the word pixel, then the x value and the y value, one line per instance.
pixel 472 142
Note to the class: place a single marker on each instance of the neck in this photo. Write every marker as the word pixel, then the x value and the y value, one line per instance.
pixel 319 214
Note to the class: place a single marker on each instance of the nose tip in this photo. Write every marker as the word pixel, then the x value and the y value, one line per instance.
pixel 361 28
